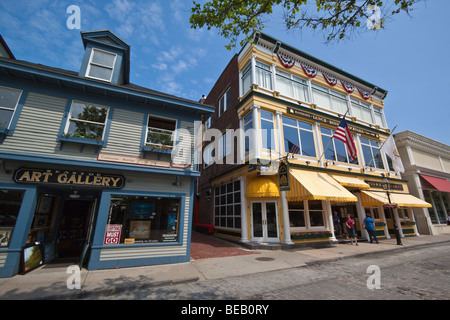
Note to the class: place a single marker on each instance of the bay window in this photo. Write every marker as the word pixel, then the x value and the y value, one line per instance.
pixel 267 130
pixel 372 156
pixel 300 134
pixel 361 110
pixel 336 150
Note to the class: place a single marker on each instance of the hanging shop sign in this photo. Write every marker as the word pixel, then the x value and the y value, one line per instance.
pixel 381 185
pixel 283 176
pixel 68 178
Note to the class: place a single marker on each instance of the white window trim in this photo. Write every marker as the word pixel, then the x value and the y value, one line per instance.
pixel 99 65
pixel 174 139
pixel 15 107
pixel 70 118
pixel 308 226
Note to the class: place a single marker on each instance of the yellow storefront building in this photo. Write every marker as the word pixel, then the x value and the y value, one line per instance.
pixel 277 176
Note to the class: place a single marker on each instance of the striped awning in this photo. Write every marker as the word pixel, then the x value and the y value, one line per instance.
pixel 404 200
pixel 262 187
pixel 350 182
pixel 311 185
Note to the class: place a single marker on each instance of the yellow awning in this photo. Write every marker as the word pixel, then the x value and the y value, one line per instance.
pixel 375 198
pixel 312 185
pixel 351 182
pixel 262 187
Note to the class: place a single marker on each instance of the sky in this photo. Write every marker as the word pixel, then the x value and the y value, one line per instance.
pixel 409 59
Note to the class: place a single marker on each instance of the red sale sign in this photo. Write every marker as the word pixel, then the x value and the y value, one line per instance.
pixel 112 235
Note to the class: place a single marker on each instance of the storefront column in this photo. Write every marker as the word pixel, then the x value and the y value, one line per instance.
pixel 256 131
pixel 361 215
pixel 286 222
pixel 329 218
pixel 244 233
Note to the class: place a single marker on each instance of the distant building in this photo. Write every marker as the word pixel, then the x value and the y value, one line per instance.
pixel 288 105
pixel 93 168
pixel 427 169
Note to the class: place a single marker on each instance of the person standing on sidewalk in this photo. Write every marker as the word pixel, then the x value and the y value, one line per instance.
pixel 337 224
pixel 350 223
pixel 370 227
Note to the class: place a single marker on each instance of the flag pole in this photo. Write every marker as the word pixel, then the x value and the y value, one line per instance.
pixel 381 147
pixel 323 152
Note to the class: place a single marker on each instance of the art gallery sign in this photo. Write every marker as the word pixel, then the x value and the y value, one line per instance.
pixel 68 178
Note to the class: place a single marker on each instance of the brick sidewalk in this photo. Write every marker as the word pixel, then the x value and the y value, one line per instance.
pixel 204 246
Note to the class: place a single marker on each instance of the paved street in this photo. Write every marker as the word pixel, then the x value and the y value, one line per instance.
pixel 422 273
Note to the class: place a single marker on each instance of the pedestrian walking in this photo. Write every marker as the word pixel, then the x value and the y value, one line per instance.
pixel 350 223
pixel 337 224
pixel 369 225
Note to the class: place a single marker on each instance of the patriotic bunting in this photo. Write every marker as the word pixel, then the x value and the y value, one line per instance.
pixel 364 94
pixel 285 61
pixel 310 72
pixel 348 87
pixel 330 80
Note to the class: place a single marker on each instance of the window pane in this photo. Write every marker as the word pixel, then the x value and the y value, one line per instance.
pixel 5 117
pixel 267 134
pixel 9 98
pixel 308 147
pixel 103 58
pixel 329 153
pixel 89 112
pixel 290 134
pixel 100 72
pixel 85 130
pixel 321 99
pixel 297 218
pixel 316 218
pixel 10 202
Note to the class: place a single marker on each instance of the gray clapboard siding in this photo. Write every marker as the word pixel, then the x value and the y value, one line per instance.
pixel 38 125
pixel 3 256
pixel 125 133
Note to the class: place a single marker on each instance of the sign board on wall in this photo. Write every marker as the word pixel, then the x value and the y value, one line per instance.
pixel 112 234
pixel 68 178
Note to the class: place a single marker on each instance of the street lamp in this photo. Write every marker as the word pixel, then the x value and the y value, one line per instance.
pixel 386 186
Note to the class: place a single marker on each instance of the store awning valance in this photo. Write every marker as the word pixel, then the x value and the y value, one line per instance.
pixel 438 183
pixel 311 185
pixel 262 187
pixel 350 182
pixel 375 199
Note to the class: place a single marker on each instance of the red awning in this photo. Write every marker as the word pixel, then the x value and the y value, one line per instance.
pixel 440 184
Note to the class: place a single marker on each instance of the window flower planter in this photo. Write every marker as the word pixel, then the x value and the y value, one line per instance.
pixel 157 148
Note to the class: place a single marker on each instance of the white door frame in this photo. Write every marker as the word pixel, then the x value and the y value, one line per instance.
pixel 265 237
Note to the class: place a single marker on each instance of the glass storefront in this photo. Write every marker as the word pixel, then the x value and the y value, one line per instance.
pixel 10 202
pixel 141 219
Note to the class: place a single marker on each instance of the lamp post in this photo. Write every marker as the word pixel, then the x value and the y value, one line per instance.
pixel 386 187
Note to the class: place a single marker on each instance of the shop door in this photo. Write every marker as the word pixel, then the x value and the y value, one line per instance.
pixel 389 221
pixel 73 227
pixel 265 221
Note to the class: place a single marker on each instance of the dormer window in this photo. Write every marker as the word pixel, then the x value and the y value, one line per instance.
pixel 101 65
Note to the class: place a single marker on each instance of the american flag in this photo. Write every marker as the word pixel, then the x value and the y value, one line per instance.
pixel 343 133
pixel 293 148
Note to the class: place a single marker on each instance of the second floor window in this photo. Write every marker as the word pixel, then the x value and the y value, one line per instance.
pixel 371 152
pixel 8 103
pixel 86 121
pixel 267 134
pixel 101 65
pixel 160 132
pixel 300 134
pixel 337 150
pixel 361 111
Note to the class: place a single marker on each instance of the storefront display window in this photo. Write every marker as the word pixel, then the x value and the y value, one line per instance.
pixel 306 214
pixel 139 219
pixel 10 202
pixel 297 214
pixel 227 205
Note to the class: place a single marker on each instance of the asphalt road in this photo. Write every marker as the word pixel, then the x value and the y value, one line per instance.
pixel 415 274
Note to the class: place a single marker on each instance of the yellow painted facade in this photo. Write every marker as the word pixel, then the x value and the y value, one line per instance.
pixel 317 186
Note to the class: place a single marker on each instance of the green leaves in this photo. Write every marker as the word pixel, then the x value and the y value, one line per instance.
pixel 338 19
